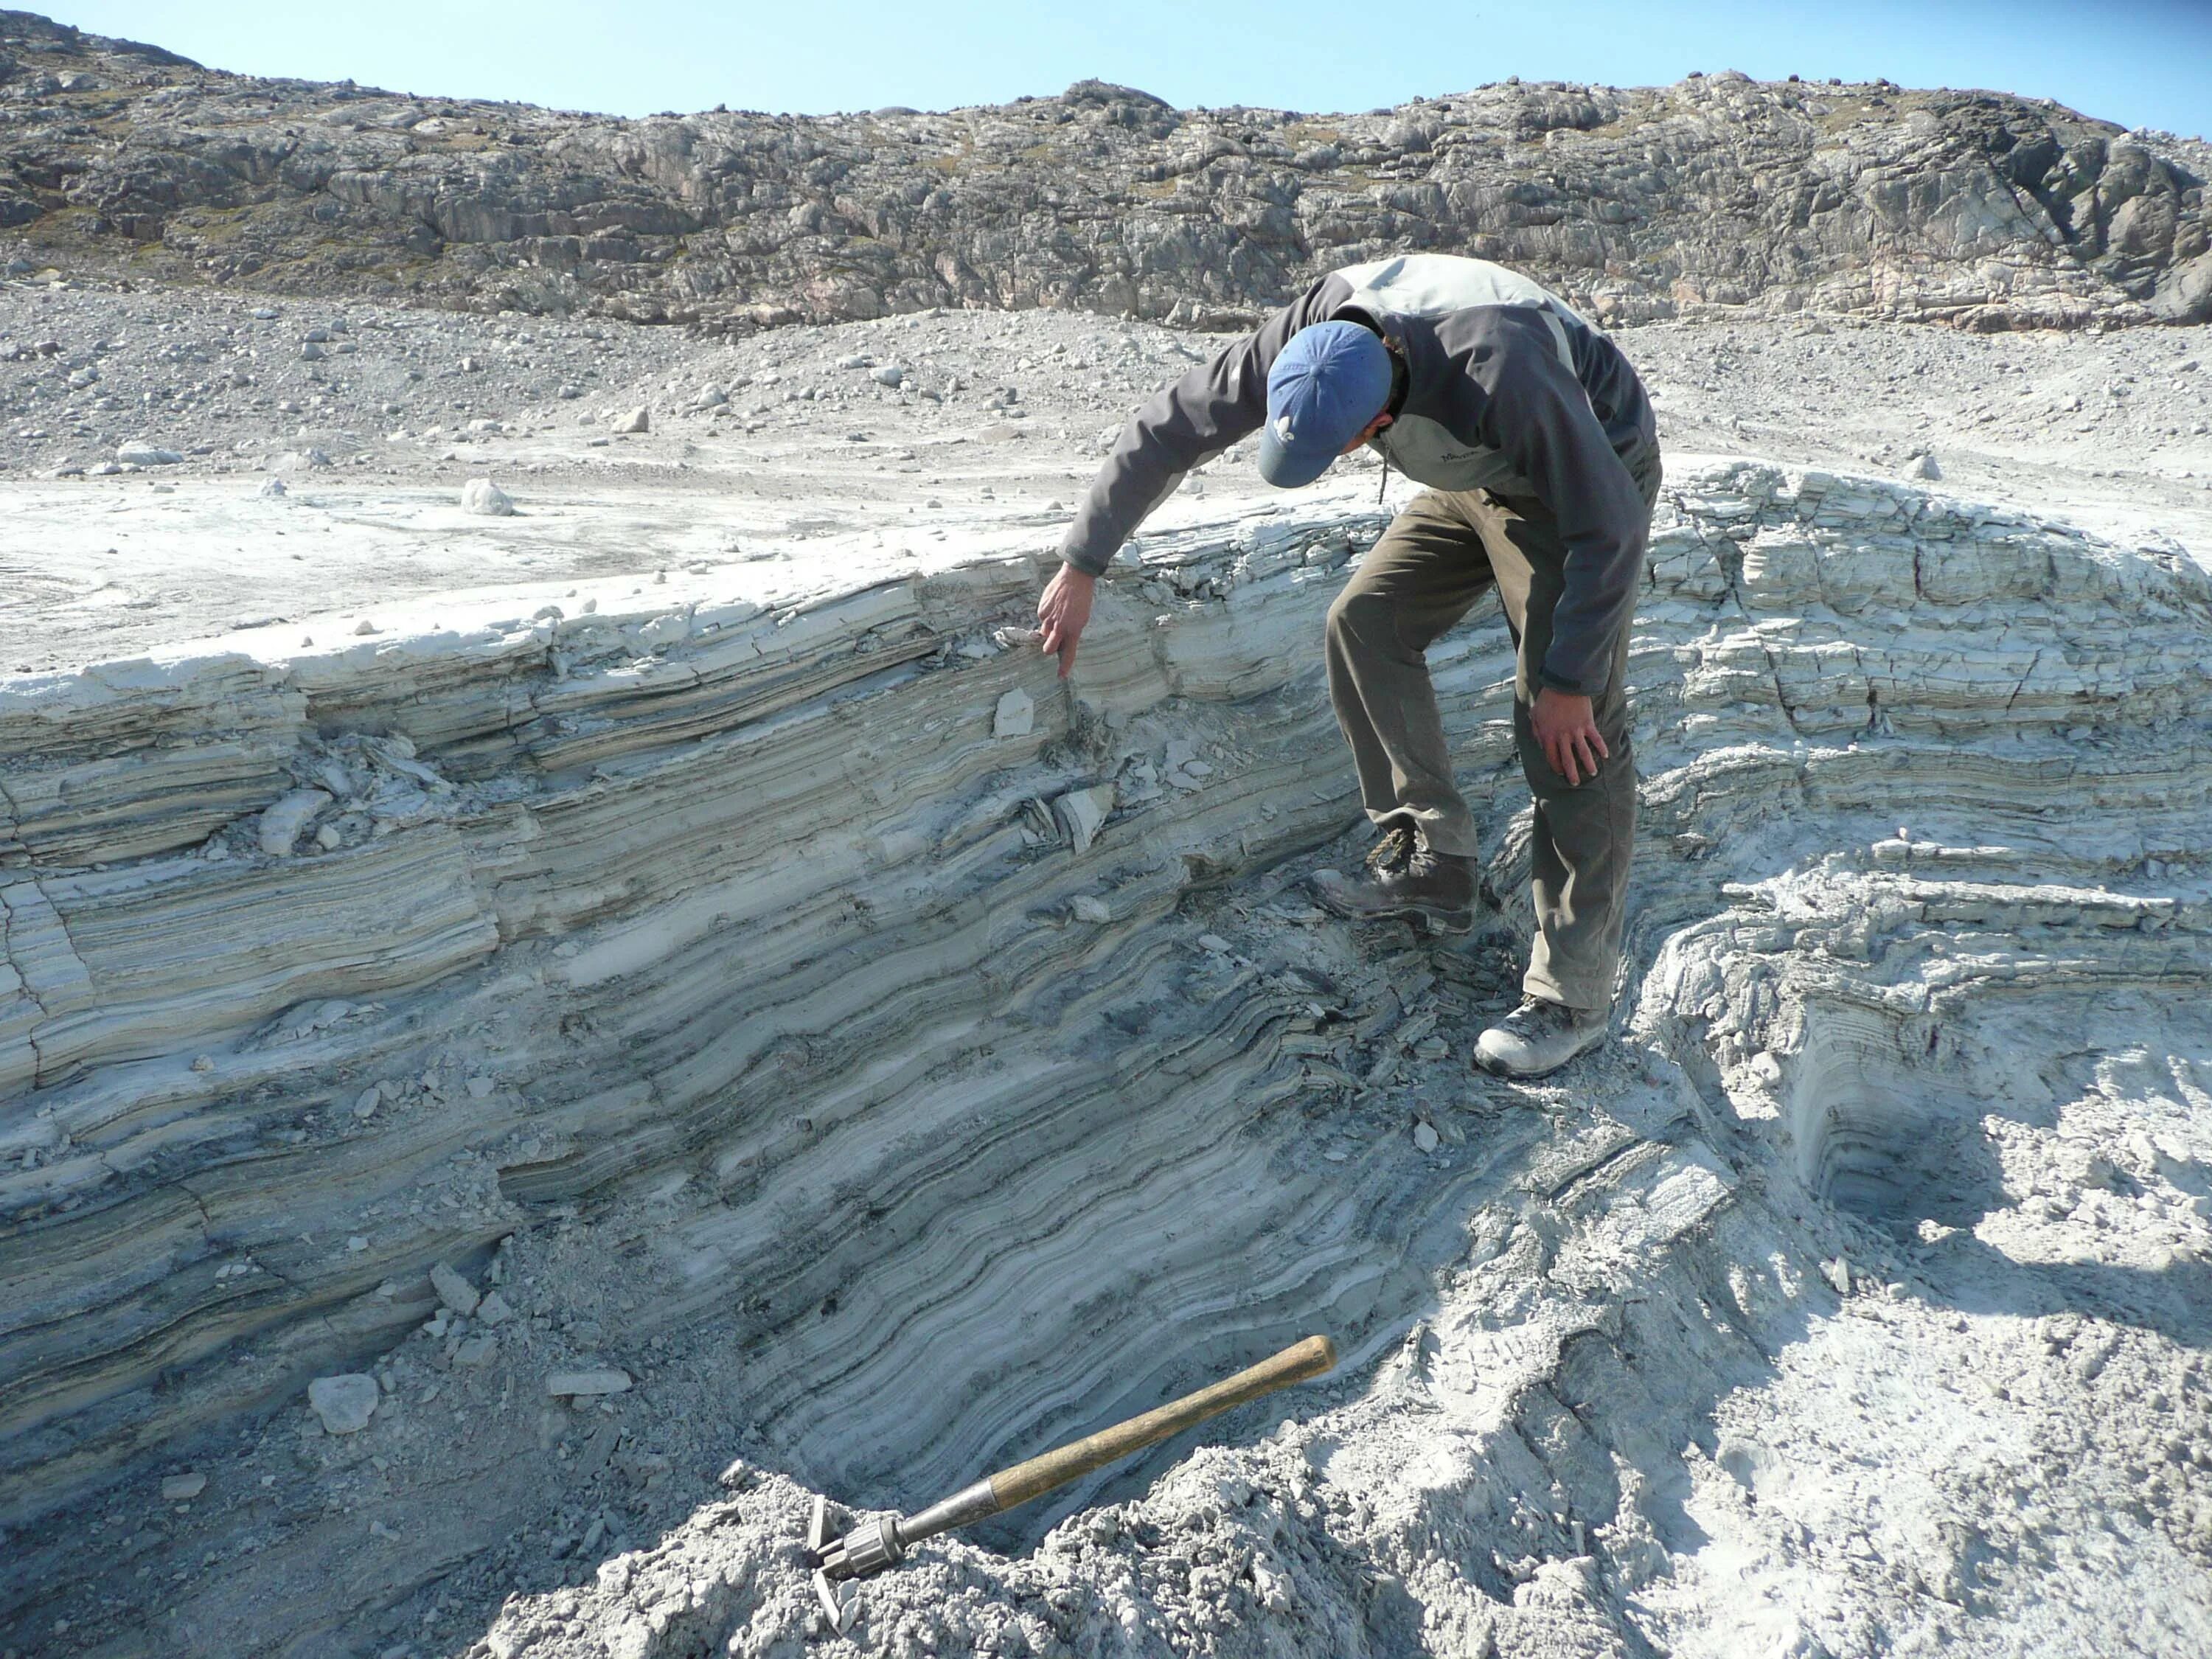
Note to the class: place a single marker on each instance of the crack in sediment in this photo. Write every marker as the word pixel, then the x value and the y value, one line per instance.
pixel 23 980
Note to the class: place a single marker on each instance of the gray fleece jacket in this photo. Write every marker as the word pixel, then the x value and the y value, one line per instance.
pixel 1505 389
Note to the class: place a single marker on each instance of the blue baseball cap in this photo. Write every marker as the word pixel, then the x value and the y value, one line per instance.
pixel 1329 381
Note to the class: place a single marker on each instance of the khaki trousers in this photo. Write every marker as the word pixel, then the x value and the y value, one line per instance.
pixel 1438 557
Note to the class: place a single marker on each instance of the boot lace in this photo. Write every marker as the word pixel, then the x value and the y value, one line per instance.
pixel 1536 1016
pixel 1393 852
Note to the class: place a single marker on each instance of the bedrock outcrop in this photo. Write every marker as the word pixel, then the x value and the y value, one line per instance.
pixel 1716 193
pixel 913 1084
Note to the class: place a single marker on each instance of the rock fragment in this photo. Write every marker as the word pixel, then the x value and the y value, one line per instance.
pixel 183 1488
pixel 141 454
pixel 344 1403
pixel 1081 813
pixel 597 1380
pixel 635 420
pixel 287 816
pixel 454 1289
pixel 1015 716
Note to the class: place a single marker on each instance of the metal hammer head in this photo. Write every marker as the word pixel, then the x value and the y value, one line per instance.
pixel 868 1548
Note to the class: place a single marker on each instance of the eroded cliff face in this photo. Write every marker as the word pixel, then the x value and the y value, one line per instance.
pixel 890 1061
pixel 1973 208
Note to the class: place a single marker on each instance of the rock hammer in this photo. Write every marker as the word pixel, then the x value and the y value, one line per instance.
pixel 874 1545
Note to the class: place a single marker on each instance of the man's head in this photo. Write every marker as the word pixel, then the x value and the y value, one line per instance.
pixel 1329 389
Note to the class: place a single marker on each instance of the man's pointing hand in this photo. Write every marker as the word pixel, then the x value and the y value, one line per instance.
pixel 1063 611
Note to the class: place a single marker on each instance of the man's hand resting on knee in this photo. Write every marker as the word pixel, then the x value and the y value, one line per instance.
pixel 1567 731
pixel 1064 610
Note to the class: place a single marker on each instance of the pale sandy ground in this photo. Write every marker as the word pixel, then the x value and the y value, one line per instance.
pixel 811 463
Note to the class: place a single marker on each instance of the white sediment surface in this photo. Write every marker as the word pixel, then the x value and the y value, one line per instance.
pixel 643 1003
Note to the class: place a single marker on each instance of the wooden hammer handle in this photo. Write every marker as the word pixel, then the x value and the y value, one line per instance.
pixel 1040 1474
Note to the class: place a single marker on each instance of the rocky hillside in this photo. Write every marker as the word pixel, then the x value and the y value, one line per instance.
pixel 1978 209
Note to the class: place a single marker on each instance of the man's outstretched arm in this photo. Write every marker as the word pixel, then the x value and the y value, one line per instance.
pixel 1176 429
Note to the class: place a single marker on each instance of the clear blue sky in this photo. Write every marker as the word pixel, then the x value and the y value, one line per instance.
pixel 2140 63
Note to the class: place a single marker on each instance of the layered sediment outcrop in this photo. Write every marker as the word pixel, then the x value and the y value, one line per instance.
pixel 1973 208
pixel 929 1059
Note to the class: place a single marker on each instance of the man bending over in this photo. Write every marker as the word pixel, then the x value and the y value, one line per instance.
pixel 1537 443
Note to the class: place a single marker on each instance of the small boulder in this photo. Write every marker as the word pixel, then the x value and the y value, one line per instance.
pixel 635 420
pixel 482 497
pixel 138 454
pixel 344 1403
pixel 183 1488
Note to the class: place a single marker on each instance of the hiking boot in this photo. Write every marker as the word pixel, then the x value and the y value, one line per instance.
pixel 1539 1037
pixel 1404 879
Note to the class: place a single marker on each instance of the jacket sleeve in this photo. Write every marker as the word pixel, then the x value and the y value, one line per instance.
pixel 1538 415
pixel 1184 424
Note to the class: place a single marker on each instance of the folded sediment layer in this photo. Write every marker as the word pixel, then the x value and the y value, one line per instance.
pixel 1842 1306
pixel 861 941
